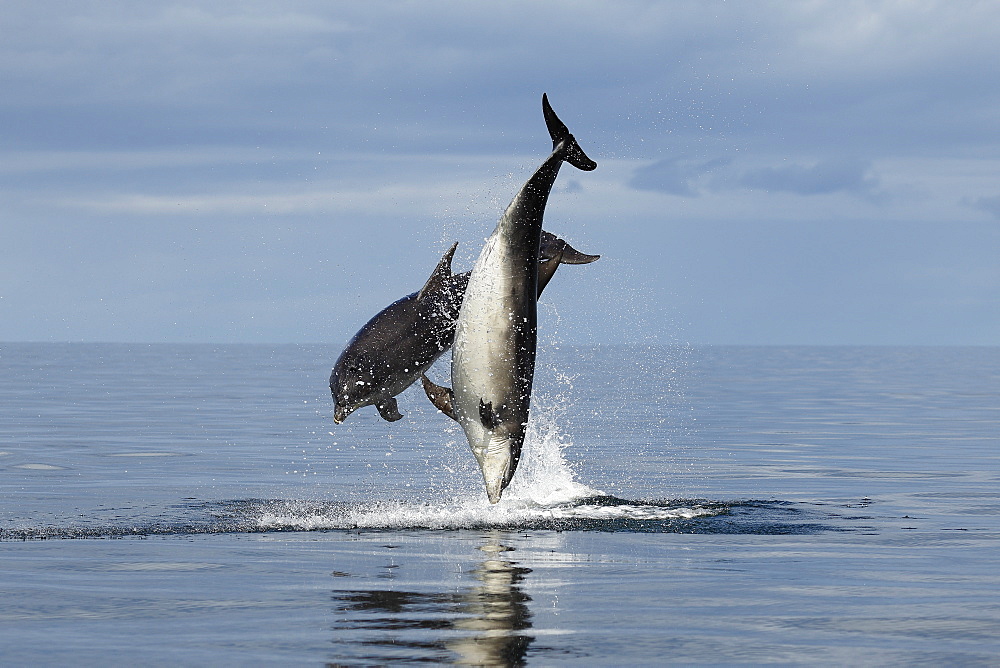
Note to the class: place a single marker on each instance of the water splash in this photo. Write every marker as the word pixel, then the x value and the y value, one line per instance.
pixel 544 476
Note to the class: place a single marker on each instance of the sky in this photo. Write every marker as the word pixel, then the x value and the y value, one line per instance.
pixel 800 172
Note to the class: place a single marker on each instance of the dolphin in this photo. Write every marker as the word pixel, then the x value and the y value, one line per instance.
pixel 493 360
pixel 401 342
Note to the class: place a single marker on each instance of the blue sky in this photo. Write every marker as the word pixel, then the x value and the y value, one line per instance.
pixel 769 172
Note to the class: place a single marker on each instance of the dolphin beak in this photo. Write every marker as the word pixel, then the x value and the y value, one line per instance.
pixel 496 471
pixel 340 413
pixel 494 488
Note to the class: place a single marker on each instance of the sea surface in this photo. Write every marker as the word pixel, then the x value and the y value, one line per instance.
pixel 168 505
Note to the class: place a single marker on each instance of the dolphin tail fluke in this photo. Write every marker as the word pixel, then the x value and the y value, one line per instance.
pixel 557 129
pixel 563 141
pixel 553 252
pixel 440 396
pixel 554 248
pixel 570 255
pixel 441 273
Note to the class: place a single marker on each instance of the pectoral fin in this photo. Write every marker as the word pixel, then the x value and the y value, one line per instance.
pixel 440 396
pixel 441 273
pixel 487 416
pixel 388 409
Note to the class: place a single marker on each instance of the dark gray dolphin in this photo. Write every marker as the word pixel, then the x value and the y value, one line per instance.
pixel 493 360
pixel 404 339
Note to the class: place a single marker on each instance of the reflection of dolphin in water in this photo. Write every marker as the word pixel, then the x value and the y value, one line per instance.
pixel 404 339
pixel 493 362
pixel 497 612
pixel 485 622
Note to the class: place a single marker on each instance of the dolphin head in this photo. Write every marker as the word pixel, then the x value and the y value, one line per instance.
pixel 352 386
pixel 497 456
pixel 494 485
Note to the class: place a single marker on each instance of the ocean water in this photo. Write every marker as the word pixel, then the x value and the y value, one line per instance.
pixel 196 505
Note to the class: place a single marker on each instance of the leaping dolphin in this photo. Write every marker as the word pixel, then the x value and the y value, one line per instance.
pixel 493 360
pixel 401 342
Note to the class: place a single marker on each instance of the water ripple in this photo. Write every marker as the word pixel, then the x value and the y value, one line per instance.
pixel 603 513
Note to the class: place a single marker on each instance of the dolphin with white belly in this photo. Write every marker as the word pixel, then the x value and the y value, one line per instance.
pixel 403 340
pixel 493 358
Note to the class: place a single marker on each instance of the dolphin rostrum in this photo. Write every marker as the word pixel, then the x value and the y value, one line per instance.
pixel 493 360
pixel 404 339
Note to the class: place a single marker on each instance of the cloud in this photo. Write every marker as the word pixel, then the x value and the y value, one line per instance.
pixel 279 202
pixel 990 205
pixel 442 74
pixel 675 176
pixel 820 178
pixel 691 178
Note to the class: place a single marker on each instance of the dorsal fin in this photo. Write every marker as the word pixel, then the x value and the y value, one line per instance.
pixel 441 273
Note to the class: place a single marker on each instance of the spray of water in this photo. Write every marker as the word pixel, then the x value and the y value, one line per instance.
pixel 544 476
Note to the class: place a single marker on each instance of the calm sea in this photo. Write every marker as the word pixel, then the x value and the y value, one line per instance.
pixel 196 505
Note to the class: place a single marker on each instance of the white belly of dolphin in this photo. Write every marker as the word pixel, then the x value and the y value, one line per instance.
pixel 496 330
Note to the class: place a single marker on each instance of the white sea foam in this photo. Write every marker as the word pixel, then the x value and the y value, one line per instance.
pixel 460 515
